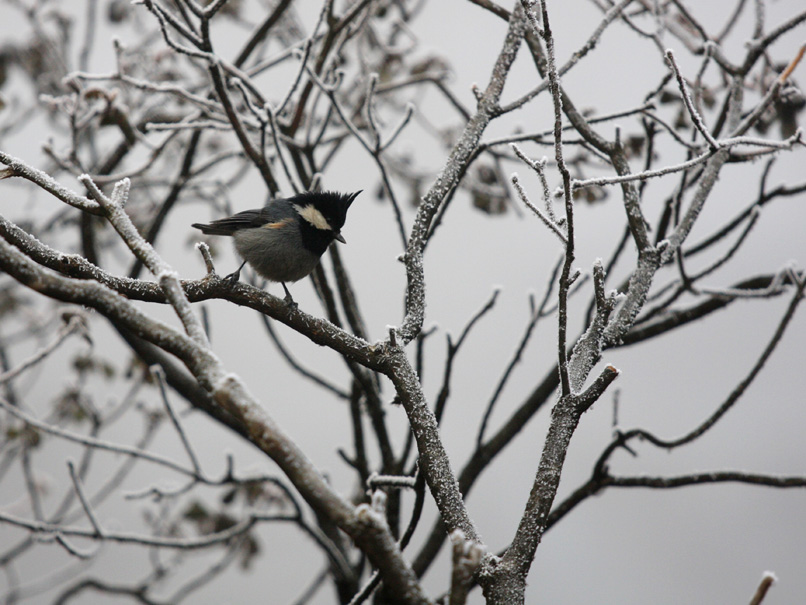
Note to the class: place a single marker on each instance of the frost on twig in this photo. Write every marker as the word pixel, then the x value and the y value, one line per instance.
pixel 466 559
pixel 552 225
pixel 19 168
pixel 588 349
pixel 375 481
pixel 767 580
pixel 168 279
pixel 204 250
pixel 695 116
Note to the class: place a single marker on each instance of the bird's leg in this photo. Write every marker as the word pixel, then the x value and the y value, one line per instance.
pixel 233 277
pixel 289 300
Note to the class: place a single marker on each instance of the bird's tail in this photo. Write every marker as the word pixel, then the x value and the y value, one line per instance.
pixel 214 228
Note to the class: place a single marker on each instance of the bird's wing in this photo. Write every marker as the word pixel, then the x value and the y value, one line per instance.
pixel 275 212
pixel 243 220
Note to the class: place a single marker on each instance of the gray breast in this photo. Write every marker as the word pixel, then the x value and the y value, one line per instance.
pixel 276 254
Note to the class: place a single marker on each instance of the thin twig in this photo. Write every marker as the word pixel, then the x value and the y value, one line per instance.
pixel 85 503
pixel 159 374
pixel 697 119
pixel 95 443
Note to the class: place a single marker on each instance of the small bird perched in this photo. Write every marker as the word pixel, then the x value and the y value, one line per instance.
pixel 284 240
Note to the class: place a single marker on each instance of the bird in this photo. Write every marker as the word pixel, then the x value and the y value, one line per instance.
pixel 284 240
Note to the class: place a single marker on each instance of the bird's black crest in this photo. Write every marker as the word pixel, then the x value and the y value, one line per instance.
pixel 332 204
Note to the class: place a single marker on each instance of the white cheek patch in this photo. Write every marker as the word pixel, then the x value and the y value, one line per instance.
pixel 313 216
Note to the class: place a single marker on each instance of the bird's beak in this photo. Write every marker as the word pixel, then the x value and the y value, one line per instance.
pixel 339 237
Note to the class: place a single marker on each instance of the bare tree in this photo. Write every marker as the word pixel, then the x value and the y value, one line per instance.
pixel 208 104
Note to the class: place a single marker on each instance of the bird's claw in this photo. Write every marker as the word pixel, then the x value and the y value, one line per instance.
pixel 233 278
pixel 288 298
